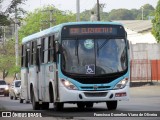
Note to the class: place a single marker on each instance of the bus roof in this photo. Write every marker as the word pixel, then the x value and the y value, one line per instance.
pixel 57 28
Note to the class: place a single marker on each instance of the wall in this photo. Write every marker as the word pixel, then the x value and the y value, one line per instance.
pixel 145 61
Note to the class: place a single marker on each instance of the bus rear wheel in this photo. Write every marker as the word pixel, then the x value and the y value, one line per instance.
pixel 45 105
pixel 58 106
pixel 112 105
pixel 35 105
pixel 20 100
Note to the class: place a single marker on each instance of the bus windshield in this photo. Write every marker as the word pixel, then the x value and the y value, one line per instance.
pixel 94 56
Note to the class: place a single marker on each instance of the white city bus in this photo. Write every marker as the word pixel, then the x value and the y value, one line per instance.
pixel 79 62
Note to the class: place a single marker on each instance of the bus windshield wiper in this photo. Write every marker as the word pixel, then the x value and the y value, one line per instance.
pixel 102 45
pixel 76 50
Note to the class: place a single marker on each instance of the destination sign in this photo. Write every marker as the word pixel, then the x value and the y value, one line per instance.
pixel 93 30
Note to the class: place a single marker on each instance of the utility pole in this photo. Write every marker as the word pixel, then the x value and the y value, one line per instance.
pixel 16 36
pixel 78 10
pixel 98 11
pixel 4 34
pixel 50 18
pixel 142 12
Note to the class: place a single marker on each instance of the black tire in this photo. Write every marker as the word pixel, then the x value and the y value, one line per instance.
pixel 51 94
pixel 14 97
pixel 81 105
pixel 58 106
pixel 27 101
pixel 35 105
pixel 89 105
pixel 20 100
pixel 11 97
pixel 111 105
pixel 45 105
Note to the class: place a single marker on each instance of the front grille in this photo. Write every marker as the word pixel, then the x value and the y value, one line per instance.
pixel 97 94
pixel 95 80
pixel 93 88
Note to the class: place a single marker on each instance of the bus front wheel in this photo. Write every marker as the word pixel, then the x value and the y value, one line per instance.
pixel 81 105
pixel 89 105
pixel 112 105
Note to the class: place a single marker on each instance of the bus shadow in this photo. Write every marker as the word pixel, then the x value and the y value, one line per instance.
pixel 75 112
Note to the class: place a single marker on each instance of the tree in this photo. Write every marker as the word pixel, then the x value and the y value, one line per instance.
pixel 121 14
pixel 148 10
pixel 85 15
pixel 40 19
pixel 156 23
pixel 7 58
pixel 7 17
pixel 11 9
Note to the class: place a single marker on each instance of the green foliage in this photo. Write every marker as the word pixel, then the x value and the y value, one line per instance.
pixel 7 58
pixel 156 23
pixel 85 15
pixel 12 8
pixel 121 14
pixel 4 20
pixel 40 20
pixel 133 14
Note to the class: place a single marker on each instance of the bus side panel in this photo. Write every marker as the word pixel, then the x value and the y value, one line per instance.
pixel 24 84
pixel 48 77
pixel 33 80
pixel 43 78
pixel 40 80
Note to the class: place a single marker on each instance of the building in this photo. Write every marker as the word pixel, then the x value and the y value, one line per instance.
pixel 144 50
pixel 139 31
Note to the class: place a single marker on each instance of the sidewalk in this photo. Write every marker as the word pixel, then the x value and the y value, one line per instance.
pixel 138 83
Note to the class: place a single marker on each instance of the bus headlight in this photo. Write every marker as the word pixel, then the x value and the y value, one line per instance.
pixel 69 85
pixel 121 84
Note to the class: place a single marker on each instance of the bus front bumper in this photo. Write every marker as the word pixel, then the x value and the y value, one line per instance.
pixel 68 96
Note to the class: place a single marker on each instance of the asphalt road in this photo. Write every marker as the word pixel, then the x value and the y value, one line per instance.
pixel 146 98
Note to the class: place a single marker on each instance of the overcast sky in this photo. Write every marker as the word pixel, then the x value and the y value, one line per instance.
pixel 87 4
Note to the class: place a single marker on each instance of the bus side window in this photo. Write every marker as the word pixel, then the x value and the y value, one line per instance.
pixel 23 56
pixel 43 49
pixel 38 57
pixel 33 53
pixel 27 64
pixel 46 50
pixel 50 49
pixel 27 58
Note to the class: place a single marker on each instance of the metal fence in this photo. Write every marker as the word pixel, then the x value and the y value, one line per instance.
pixel 143 70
